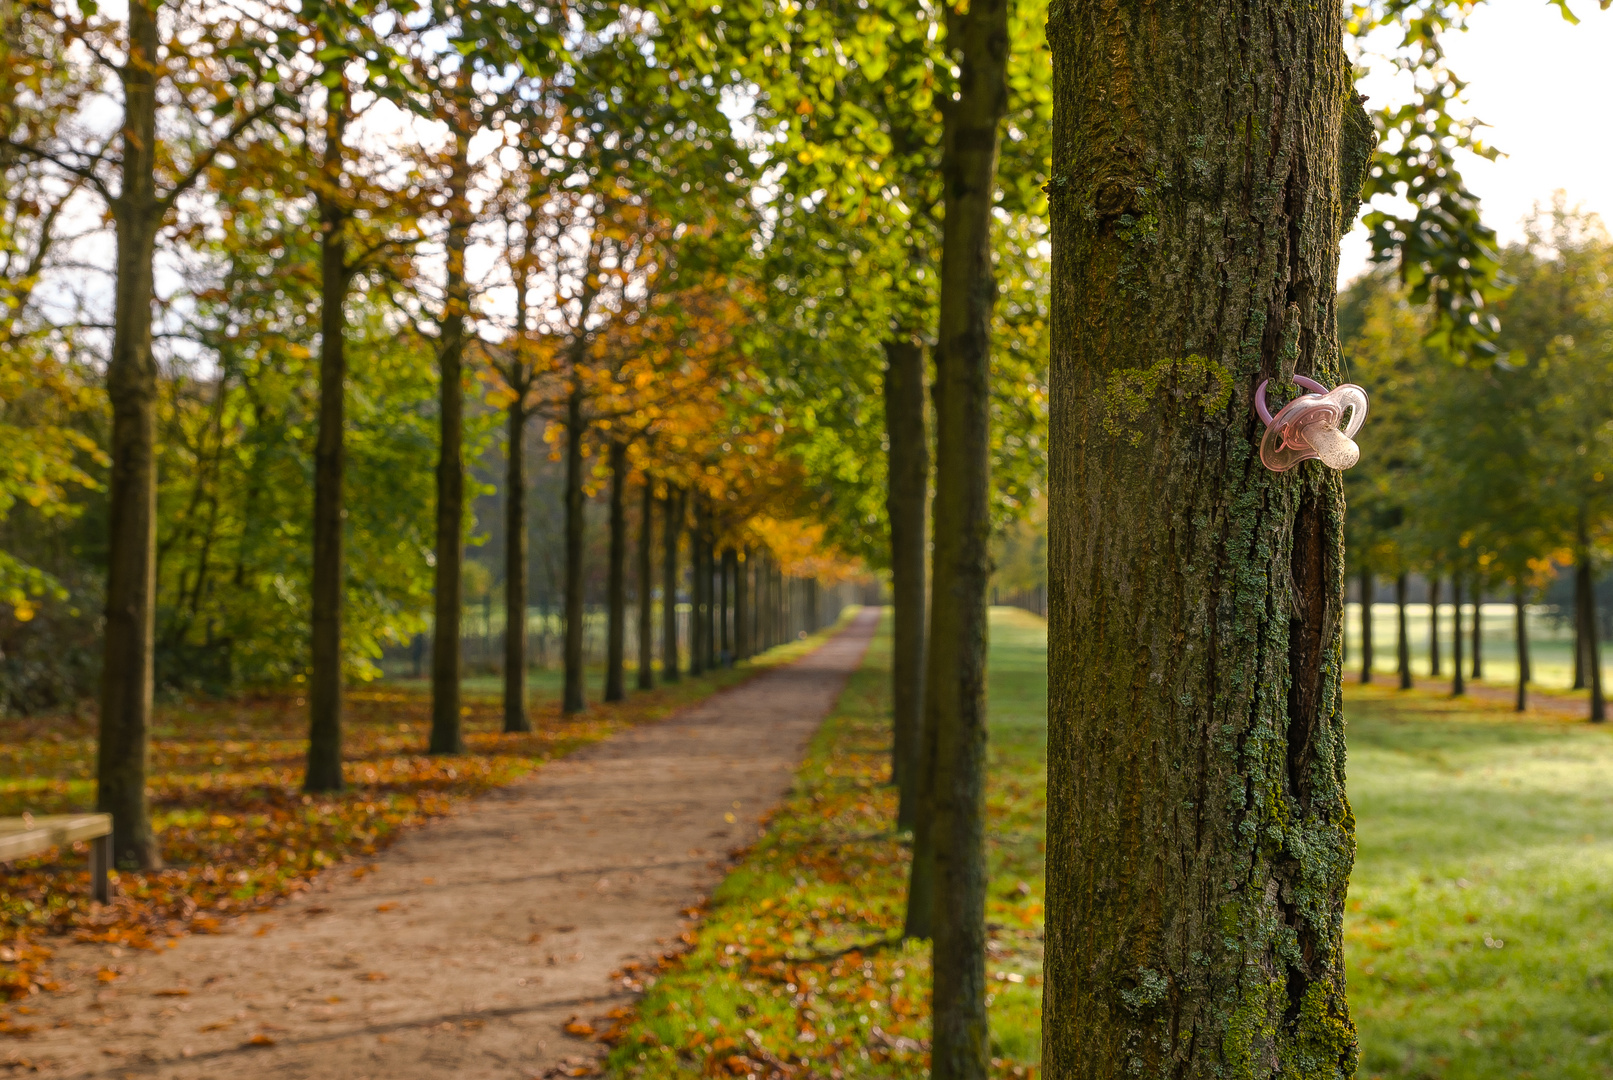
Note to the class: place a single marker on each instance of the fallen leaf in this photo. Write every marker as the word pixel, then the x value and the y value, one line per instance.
pixel 177 991
pixel 260 1039
pixel 580 1028
pixel 106 975
pixel 374 976
pixel 385 907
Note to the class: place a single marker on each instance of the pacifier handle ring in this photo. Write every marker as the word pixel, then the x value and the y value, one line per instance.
pixel 1260 395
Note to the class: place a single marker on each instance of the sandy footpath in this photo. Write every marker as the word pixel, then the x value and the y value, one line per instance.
pixel 476 938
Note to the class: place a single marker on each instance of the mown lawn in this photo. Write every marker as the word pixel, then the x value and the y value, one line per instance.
pixel 1479 934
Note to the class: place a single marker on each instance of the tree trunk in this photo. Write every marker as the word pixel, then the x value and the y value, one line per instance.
pixel 616 634
pixel 1206 159
pixel 1433 626
pixel 131 386
pixel 573 698
pixel 1582 607
pixel 906 501
pixel 709 582
pixel 1402 641
pixel 516 718
pixel 1523 648
pixel 955 679
pixel 324 772
pixel 742 602
pixel 671 527
pixel 1458 687
pixel 1368 586
pixel 1586 581
pixel 447 737
pixel 646 591
pixel 697 592
pixel 1478 631
pixel 730 568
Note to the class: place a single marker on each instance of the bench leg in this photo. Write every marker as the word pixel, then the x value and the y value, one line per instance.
pixel 100 863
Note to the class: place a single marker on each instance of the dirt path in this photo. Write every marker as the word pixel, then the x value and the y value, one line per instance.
pixel 475 939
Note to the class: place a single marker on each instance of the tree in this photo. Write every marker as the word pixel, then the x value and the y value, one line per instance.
pixel 1199 836
pixel 184 99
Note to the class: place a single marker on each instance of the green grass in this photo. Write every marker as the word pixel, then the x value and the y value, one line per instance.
pixel 1479 927
pixel 1551 642
pixel 774 972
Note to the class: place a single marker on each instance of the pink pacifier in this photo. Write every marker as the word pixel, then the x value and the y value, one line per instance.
pixel 1309 426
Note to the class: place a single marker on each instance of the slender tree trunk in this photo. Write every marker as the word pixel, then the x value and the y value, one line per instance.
pixel 742 601
pixel 730 570
pixel 1523 648
pixel 616 636
pixel 709 579
pixel 1478 630
pixel 573 698
pixel 1368 586
pixel 324 771
pixel 671 526
pixel 955 679
pixel 447 736
pixel 646 590
pixel 1402 641
pixel 1586 581
pixel 1433 625
pixel 906 498
pixel 1458 686
pixel 1582 607
pixel 697 591
pixel 516 718
pixel 1206 158
pixel 131 386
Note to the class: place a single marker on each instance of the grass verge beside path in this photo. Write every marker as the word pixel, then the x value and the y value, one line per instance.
pixel 796 968
pixel 236 830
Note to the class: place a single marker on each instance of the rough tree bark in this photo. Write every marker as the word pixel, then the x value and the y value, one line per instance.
pixel 616 598
pixel 1206 159
pixel 954 706
pixel 646 591
pixel 324 772
pixel 1433 625
pixel 905 504
pixel 1368 587
pixel 131 384
pixel 573 698
pixel 447 736
pixel 1402 641
pixel 671 527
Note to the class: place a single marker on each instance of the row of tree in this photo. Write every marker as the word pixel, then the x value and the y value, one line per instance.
pixel 1497 475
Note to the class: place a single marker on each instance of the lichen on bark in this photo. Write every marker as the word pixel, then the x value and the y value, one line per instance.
pixel 1206 158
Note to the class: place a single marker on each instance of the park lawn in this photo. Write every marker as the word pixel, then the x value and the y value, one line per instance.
pixel 1480 926
pixel 797 959
pixel 235 828
pixel 1478 933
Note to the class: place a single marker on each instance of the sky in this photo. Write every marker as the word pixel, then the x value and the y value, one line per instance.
pixel 1545 88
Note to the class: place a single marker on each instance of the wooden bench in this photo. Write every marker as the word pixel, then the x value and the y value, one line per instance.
pixel 29 835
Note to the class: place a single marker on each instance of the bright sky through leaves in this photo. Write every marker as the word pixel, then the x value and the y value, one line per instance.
pixel 1543 87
